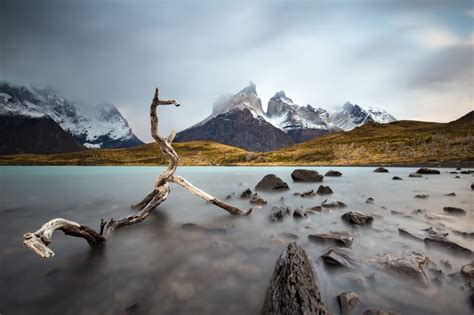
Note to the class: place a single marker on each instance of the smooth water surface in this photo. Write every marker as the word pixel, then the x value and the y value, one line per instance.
pixel 156 267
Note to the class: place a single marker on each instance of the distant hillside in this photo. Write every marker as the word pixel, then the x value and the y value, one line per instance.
pixel 23 134
pixel 401 142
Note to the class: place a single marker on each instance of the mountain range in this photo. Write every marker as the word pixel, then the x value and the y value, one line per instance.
pixel 101 126
pixel 239 120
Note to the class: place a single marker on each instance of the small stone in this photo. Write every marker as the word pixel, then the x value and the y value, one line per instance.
pixel 298 214
pixel 380 170
pixel 246 194
pixel 332 173
pixel 309 193
pixel 454 211
pixel 447 265
pixel 376 311
pixel 339 257
pixel 279 213
pixel 370 200
pixel 257 200
pixel 349 302
pixel 428 171
pixel 468 270
pixel 337 238
pixel 228 197
pixel 422 196
pixel 357 218
pixel 324 190
pixel 396 178
pixel 451 195
pixel 333 204
pixel 415 175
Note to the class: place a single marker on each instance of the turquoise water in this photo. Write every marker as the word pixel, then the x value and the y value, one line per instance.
pixel 158 268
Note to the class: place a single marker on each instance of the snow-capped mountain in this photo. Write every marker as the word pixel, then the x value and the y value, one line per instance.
pixel 238 120
pixel 99 126
pixel 301 123
pixel 350 116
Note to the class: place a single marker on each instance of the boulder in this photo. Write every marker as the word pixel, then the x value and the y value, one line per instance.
pixel 336 238
pixel 468 270
pixel 294 286
pixel 338 257
pixel 381 170
pixel 397 178
pixel 409 265
pixel 454 211
pixel 333 204
pixel 428 171
pixel 257 200
pixel 299 214
pixel 357 218
pixel 279 213
pixel 271 182
pixel 349 302
pixel 246 194
pixel 308 176
pixel 324 190
pixel 332 173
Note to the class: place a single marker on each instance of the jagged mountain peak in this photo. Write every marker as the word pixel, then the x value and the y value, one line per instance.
pixel 247 98
pixel 250 88
pixel 351 115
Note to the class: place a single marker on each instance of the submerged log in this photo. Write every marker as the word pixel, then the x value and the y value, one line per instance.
pixel 294 286
pixel 38 241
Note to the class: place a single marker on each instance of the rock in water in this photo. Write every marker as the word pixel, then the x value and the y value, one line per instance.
pixel 472 186
pixel 381 170
pixel 338 257
pixel 428 171
pixel 271 182
pixel 299 214
pixel 258 200
pixel 357 218
pixel 407 265
pixel 324 190
pixel 376 311
pixel 333 174
pixel 337 238
pixel 397 178
pixel 448 245
pixel 307 176
pixel 279 213
pixel 349 302
pixel 454 211
pixel 468 270
pixel 294 286
pixel 415 175
pixel 246 194
pixel 333 204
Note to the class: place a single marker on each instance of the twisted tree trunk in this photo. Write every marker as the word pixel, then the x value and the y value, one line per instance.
pixel 38 241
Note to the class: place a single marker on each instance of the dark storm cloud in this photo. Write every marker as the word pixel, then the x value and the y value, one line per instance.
pixel 117 51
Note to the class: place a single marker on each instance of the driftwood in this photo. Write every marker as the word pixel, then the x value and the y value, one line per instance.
pixel 38 241
pixel 294 286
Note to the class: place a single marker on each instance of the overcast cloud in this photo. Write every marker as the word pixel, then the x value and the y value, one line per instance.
pixel 414 59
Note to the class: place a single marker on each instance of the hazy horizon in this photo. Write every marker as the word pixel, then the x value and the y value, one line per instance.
pixel 413 59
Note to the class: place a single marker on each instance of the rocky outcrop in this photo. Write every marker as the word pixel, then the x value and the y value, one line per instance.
pixel 307 176
pixel 271 182
pixel 294 286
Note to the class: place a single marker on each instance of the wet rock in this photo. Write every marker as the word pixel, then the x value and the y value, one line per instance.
pixel 294 286
pixel 454 211
pixel 271 182
pixel 337 238
pixel 397 178
pixel 446 244
pixel 381 170
pixel 376 311
pixel 304 194
pixel 279 213
pixel 453 172
pixel 415 175
pixel 422 196
pixel 228 197
pixel 332 173
pixel 419 211
pixel 289 236
pixel 299 214
pixel 428 171
pixel 357 218
pixel 468 270
pixel 349 302
pixel 409 265
pixel 324 190
pixel 201 228
pixel 393 212
pixel 472 186
pixel 370 200
pixel 308 176
pixel 338 257
pixel 467 172
pixel 333 204
pixel 457 177
pixel 464 234
pixel 246 194
pixel 314 209
pixel 257 200
pixel 451 195
pixel 422 234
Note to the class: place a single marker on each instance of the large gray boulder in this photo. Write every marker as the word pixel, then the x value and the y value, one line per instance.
pixel 307 176
pixel 271 182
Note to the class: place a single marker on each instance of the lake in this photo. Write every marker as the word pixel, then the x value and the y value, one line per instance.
pixel 157 267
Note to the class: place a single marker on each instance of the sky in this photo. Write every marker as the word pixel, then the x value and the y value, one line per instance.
pixel 414 59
